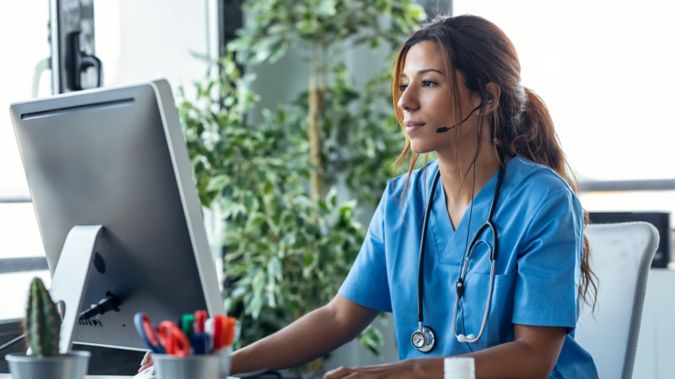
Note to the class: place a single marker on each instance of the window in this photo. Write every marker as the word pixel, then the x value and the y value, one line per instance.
pixel 23 39
pixel 146 40
pixel 605 69
pixel 136 41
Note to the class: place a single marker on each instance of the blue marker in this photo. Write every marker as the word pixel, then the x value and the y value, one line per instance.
pixel 200 343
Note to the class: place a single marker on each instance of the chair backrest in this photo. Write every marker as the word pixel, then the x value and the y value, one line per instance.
pixel 621 255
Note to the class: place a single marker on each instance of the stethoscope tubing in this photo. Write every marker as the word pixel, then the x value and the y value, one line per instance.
pixel 420 270
pixel 465 263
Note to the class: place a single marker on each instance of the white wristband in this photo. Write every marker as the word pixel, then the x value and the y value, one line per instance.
pixel 459 368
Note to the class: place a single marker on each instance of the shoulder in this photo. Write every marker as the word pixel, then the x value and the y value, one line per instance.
pixel 532 186
pixel 544 208
pixel 535 178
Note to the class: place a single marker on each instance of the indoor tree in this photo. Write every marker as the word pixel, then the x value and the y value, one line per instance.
pixel 287 241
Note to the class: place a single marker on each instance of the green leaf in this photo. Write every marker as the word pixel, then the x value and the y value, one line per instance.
pixel 274 268
pixel 308 260
pixel 217 183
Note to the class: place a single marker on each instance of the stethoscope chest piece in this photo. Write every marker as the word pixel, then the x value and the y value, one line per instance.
pixel 423 339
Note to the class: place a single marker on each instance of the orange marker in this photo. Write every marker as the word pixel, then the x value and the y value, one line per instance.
pixel 230 330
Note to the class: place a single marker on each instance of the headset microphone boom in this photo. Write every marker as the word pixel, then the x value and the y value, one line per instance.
pixel 448 128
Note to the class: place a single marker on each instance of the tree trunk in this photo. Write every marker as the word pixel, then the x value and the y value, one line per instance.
pixel 314 131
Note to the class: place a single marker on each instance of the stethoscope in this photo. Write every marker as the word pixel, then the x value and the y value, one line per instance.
pixel 424 338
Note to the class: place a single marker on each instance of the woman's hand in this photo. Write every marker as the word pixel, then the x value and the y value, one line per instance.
pixel 403 369
pixel 146 362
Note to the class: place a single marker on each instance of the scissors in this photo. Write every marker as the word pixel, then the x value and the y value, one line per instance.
pixel 168 338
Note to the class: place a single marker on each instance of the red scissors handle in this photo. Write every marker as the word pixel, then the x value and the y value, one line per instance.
pixel 174 340
pixel 147 332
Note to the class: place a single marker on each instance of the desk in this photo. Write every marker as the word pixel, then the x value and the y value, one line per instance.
pixel 654 355
pixel 656 344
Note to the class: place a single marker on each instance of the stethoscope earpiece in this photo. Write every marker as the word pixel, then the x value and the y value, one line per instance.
pixel 462 338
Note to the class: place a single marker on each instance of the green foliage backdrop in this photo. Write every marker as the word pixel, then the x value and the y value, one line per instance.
pixel 288 242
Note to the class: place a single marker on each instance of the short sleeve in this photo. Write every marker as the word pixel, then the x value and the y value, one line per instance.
pixel 366 283
pixel 549 261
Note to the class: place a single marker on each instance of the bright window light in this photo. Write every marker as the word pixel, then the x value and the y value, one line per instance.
pixel 605 70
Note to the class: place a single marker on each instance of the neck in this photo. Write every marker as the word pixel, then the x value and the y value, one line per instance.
pixel 461 180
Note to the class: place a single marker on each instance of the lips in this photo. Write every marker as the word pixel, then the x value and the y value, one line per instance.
pixel 411 126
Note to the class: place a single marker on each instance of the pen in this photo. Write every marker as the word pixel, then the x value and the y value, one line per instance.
pixel 200 340
pixel 218 326
pixel 187 322
pixel 200 320
pixel 200 343
pixel 230 331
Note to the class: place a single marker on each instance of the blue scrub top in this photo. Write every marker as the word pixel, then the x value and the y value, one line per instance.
pixel 539 224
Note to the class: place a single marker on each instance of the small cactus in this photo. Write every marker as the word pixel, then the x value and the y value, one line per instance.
pixel 43 322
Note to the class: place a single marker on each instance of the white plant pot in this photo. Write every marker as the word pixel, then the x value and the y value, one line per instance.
pixel 72 365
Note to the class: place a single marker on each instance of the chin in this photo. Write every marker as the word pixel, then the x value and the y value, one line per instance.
pixel 419 146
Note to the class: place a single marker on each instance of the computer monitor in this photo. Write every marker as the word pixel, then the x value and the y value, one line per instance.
pixel 116 204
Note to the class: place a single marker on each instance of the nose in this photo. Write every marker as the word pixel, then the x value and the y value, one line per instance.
pixel 408 100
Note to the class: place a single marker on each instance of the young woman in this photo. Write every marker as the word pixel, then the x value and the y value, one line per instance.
pixel 479 253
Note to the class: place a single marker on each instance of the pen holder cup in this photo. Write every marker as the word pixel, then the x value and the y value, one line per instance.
pixel 211 366
pixel 72 365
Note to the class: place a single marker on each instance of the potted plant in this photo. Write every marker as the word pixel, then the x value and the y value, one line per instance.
pixel 42 327
pixel 288 238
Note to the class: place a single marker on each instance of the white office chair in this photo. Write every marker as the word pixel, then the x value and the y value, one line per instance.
pixel 621 255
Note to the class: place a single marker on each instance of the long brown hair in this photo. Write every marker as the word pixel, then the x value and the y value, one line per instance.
pixel 520 125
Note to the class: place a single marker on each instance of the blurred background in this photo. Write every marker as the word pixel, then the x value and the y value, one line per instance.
pixel 604 68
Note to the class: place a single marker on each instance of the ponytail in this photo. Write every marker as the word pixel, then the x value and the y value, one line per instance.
pixel 536 138
pixel 537 141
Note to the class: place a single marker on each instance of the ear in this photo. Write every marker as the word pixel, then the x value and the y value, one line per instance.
pixel 493 92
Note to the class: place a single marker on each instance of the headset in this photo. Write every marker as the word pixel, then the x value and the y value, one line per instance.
pixel 445 129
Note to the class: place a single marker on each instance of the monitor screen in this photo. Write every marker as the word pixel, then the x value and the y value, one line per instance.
pixel 116 157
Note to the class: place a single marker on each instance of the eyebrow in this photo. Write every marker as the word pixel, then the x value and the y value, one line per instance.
pixel 424 70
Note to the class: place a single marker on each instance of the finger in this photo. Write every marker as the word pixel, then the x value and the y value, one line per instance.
pixel 146 362
pixel 339 372
pixel 147 358
pixel 149 372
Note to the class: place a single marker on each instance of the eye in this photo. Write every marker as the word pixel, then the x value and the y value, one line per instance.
pixel 402 87
pixel 428 83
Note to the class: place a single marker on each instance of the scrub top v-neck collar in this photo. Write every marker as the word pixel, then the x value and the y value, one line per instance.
pixel 449 241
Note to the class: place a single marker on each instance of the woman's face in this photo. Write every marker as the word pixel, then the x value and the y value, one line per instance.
pixel 426 101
